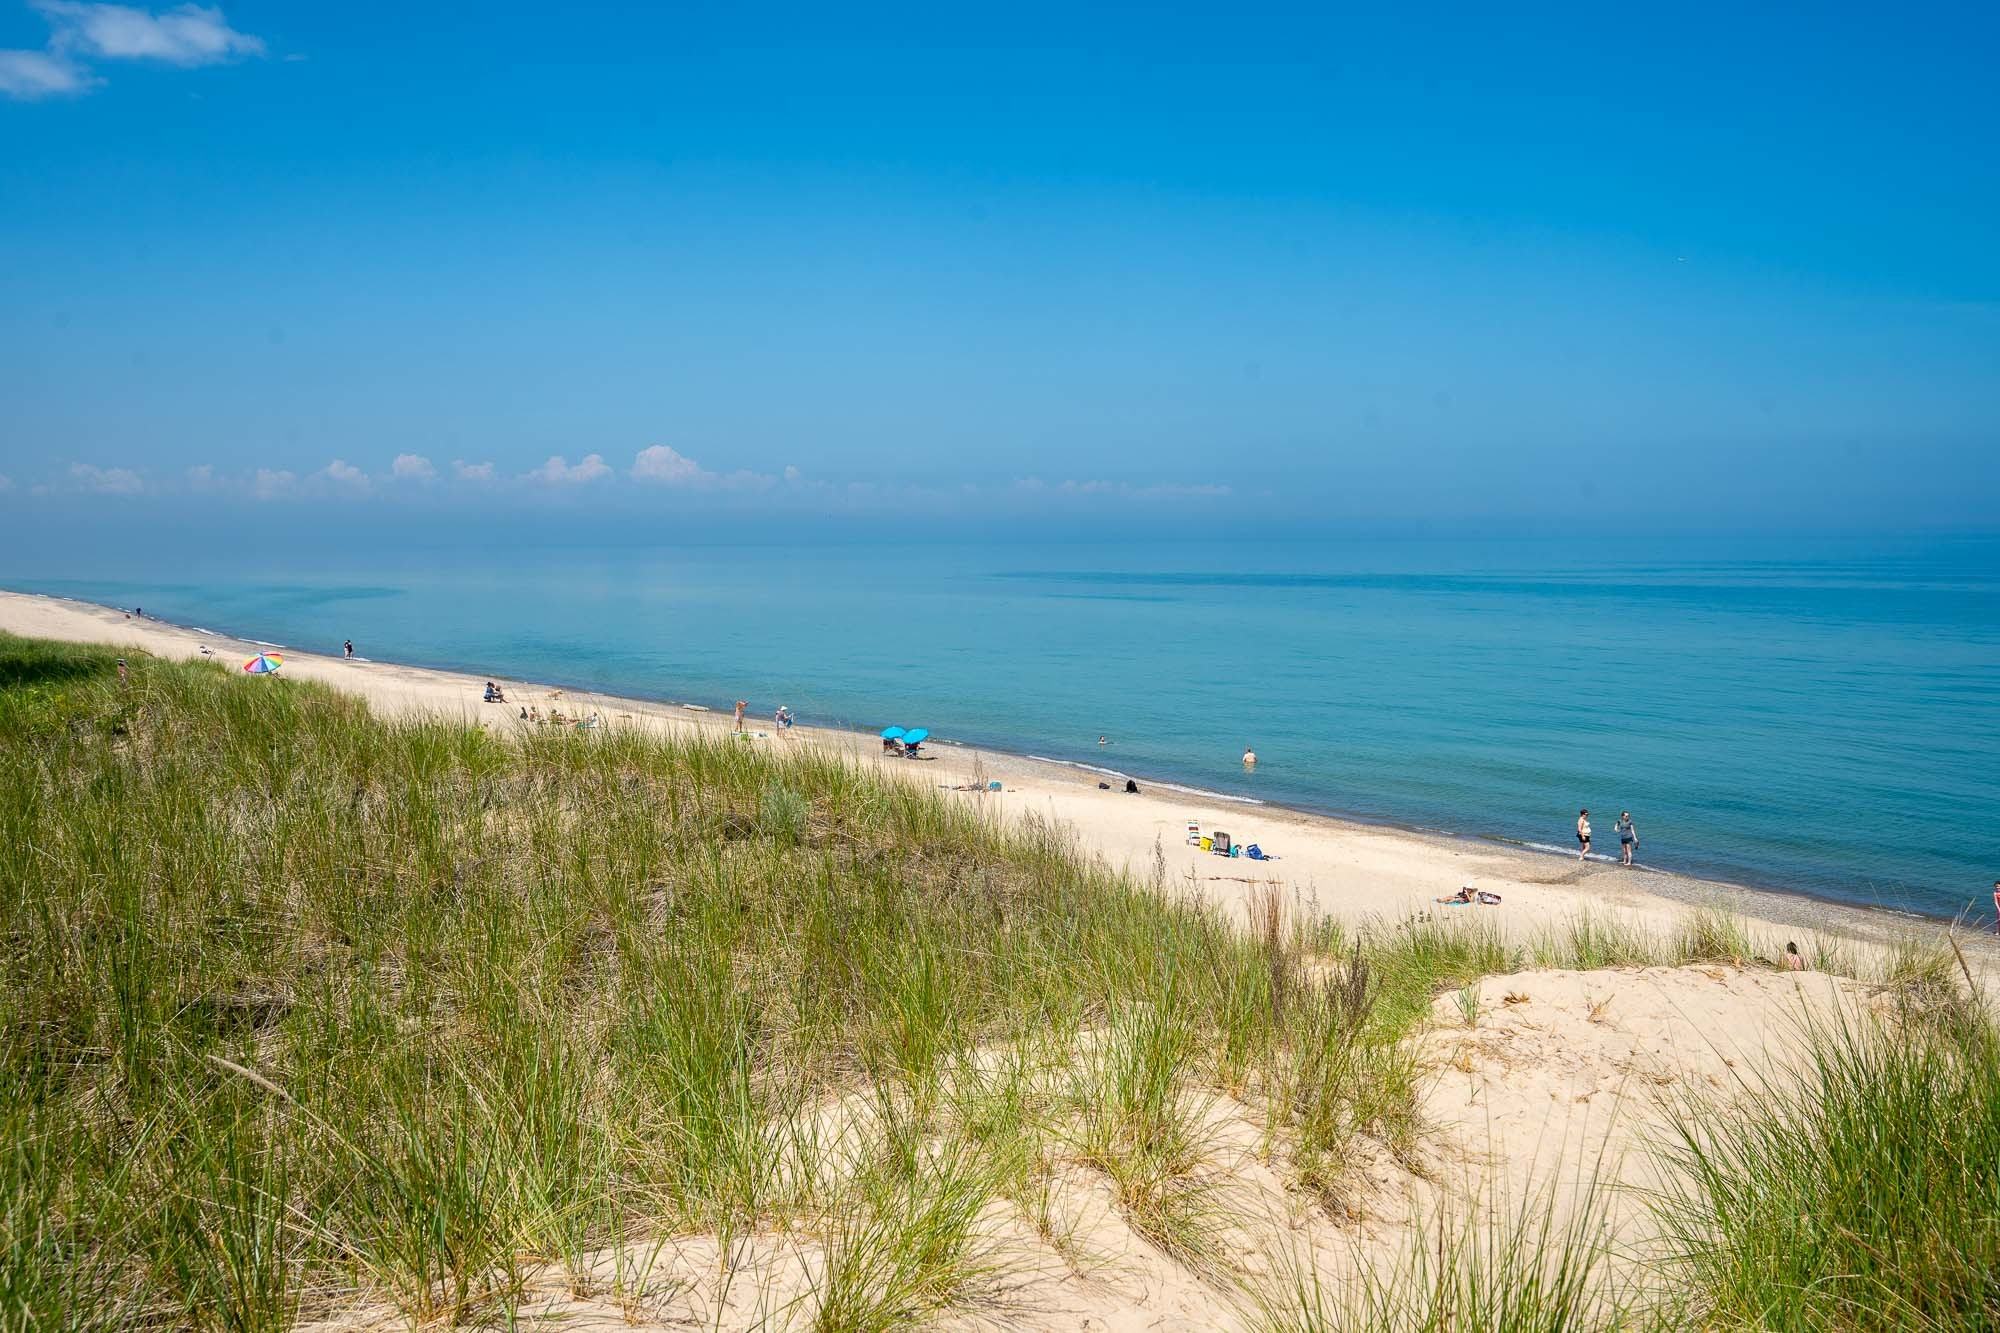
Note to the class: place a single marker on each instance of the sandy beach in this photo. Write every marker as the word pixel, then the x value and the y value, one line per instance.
pixel 1350 870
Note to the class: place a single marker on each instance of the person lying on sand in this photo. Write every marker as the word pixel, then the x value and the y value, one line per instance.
pixel 1468 894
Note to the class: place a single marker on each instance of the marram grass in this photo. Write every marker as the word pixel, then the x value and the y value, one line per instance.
pixel 300 1008
pixel 300 1004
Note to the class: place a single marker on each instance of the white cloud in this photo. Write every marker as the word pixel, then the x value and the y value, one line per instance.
pixel 105 480
pixel 201 477
pixel 558 472
pixel 6 483
pixel 412 467
pixel 661 464
pixel 792 474
pixel 187 36
pixel 344 475
pixel 28 75
pixel 668 467
pixel 465 471
pixel 273 485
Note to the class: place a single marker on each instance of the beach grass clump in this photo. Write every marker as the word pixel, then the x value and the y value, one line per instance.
pixel 1855 1190
pixel 1711 935
pixel 1543 1265
pixel 911 1243
pixel 1588 941
pixel 1137 1119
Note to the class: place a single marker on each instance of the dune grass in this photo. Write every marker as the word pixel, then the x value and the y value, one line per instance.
pixel 299 1002
pixel 1856 1191
pixel 301 1008
pixel 1483 1264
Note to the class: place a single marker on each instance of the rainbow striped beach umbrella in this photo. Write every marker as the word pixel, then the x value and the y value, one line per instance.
pixel 263 664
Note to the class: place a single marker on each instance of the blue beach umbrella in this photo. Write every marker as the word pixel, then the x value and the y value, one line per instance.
pixel 891 733
pixel 916 735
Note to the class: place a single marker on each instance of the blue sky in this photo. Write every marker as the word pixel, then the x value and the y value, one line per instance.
pixel 1693 267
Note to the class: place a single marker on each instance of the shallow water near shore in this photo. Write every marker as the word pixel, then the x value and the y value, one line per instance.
pixel 1822 716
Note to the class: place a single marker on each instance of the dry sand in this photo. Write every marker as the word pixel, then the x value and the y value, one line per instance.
pixel 1553 1076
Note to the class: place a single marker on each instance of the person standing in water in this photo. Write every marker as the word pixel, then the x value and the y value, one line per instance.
pixel 1249 757
pixel 1628 840
pixel 1583 834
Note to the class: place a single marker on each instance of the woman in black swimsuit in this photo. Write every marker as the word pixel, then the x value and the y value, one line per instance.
pixel 1583 835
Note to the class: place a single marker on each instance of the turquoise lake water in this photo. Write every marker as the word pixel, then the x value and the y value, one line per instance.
pixel 1822 716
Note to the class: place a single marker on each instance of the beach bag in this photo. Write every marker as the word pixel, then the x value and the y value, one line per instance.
pixel 1254 852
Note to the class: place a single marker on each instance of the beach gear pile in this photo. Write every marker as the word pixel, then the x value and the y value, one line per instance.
pixel 1220 844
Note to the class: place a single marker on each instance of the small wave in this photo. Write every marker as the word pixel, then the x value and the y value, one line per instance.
pixel 1101 771
pixel 1554 850
pixel 1072 763
pixel 203 629
pixel 1206 794
pixel 266 643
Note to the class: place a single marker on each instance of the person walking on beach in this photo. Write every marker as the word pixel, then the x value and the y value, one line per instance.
pixel 1628 840
pixel 741 704
pixel 347 649
pixel 1583 835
